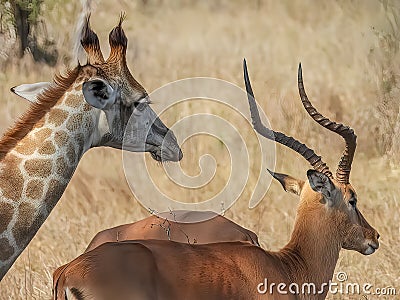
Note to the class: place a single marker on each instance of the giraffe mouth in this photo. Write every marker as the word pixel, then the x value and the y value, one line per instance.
pixel 163 145
pixel 156 156
pixel 164 155
pixel 153 137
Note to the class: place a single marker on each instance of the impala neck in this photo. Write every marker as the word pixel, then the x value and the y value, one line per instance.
pixel 313 250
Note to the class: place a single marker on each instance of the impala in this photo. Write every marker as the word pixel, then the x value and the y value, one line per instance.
pixel 327 220
pixel 193 227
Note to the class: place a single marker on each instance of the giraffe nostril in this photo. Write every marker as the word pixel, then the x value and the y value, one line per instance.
pixel 378 236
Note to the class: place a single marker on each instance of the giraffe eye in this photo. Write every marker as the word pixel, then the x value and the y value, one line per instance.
pixel 141 103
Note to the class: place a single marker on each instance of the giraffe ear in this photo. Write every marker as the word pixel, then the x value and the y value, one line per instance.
pixel 30 91
pixel 99 93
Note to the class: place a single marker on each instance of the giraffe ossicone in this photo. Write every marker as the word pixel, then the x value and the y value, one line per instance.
pixel 88 107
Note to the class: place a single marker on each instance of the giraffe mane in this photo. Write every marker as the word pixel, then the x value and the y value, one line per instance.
pixel 36 111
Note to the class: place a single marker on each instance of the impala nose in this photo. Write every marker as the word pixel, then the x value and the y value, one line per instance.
pixel 374 245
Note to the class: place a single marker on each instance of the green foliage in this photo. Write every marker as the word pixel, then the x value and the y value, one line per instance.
pixel 33 7
pixel 6 15
pixel 25 18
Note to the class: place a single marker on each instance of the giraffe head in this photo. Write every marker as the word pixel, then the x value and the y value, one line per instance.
pixel 125 118
pixel 113 90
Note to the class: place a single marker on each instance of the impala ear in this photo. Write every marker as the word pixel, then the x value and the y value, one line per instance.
pixel 321 183
pixel 99 93
pixel 289 184
pixel 30 91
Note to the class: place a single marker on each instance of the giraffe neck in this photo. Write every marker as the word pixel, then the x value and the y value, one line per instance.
pixel 35 173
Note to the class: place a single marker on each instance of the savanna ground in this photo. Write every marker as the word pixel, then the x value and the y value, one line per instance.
pixel 351 64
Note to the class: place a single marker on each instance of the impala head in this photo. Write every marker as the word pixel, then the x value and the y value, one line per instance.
pixel 109 87
pixel 330 199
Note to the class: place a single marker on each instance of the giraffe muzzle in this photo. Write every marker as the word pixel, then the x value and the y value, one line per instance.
pixel 162 144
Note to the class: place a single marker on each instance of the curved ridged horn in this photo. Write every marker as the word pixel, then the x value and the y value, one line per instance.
pixel 315 160
pixel 90 42
pixel 118 42
pixel 344 168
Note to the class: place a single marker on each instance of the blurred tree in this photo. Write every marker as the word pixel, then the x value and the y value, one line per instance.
pixel 23 16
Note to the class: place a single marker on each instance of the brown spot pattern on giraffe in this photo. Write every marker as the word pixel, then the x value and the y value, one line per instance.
pixel 11 179
pixel 63 169
pixel 61 138
pixel 57 116
pixel 6 250
pixel 43 134
pixel 6 213
pixel 73 101
pixel 54 192
pixel 87 107
pixel 32 141
pixel 28 223
pixel 71 156
pixel 74 122
pixel 34 189
pixel 38 167
pixel 27 146
pixel 80 140
pixel 47 148
pixel 88 123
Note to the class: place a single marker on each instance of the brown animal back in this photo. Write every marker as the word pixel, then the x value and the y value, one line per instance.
pixel 215 228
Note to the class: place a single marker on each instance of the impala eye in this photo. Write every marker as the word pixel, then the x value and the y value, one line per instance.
pixel 353 203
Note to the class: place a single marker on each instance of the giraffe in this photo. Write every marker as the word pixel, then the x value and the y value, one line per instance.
pixel 88 107
pixel 31 91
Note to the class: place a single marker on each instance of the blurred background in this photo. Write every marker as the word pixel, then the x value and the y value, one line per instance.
pixel 350 52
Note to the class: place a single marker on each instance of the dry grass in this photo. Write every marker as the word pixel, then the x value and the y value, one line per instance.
pixel 350 57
